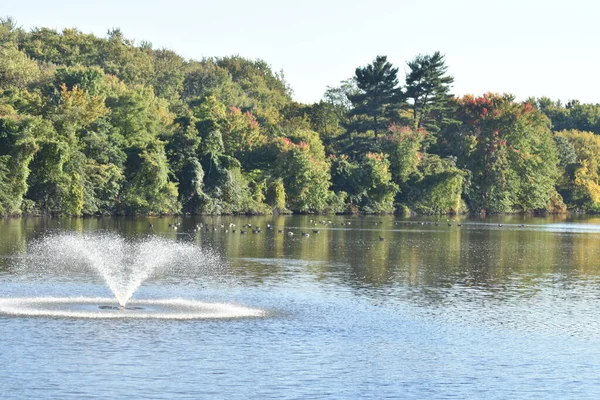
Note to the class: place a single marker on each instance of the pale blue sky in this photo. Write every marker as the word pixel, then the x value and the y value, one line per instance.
pixel 525 47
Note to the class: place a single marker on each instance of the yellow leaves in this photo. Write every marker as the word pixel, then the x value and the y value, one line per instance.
pixel 114 86
pixel 587 176
pixel 587 179
pixel 6 110
pixel 78 108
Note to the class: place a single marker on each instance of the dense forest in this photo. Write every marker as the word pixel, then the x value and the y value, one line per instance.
pixel 107 126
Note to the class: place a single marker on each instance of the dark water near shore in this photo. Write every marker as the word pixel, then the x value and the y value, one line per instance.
pixel 490 309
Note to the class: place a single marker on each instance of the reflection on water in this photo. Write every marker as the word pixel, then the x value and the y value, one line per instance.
pixel 422 256
pixel 362 307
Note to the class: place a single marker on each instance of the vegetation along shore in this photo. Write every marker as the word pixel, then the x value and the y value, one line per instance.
pixel 107 126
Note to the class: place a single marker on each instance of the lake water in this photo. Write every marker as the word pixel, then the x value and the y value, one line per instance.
pixel 476 311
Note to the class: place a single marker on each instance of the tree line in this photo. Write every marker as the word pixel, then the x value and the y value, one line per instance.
pixel 107 126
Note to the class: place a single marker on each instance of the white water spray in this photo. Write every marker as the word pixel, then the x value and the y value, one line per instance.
pixel 123 264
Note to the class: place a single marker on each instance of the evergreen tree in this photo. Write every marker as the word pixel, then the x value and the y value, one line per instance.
pixel 379 99
pixel 428 88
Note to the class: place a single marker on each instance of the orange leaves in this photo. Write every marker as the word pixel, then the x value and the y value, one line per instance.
pixel 379 157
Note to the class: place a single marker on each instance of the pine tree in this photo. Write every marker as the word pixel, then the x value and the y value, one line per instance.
pixel 379 99
pixel 428 86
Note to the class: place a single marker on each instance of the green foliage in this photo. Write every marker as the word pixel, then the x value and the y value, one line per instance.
pixel 139 115
pixel 206 78
pixel 573 115
pixel 367 184
pixel 565 151
pixel 147 189
pixel 305 174
pixel 92 126
pixel 276 195
pixel 9 32
pixel 267 91
pixel 428 89
pixel 377 103
pixel 168 76
pixel 88 79
pixel 17 70
pixel 327 119
pixel 509 149
pixel 437 187
pixel 17 148
pixel 375 178
pixel 403 145
pixel 581 184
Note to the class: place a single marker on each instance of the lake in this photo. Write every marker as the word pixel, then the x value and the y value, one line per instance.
pixel 367 307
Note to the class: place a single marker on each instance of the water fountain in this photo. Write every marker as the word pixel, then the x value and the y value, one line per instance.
pixel 123 265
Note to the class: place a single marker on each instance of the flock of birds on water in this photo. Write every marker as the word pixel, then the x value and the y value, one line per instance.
pixel 257 229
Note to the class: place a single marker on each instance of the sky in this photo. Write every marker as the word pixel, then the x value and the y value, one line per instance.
pixel 524 47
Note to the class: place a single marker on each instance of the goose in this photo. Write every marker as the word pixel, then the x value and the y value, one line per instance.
pixel 381 239
pixel 305 234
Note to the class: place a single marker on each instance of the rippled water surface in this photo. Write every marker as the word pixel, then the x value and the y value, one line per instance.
pixel 495 308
